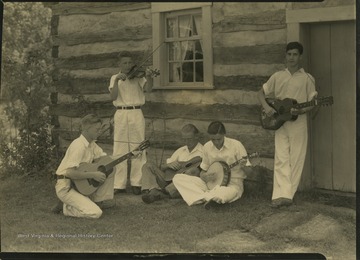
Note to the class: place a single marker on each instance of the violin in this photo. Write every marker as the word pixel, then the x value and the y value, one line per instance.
pixel 140 72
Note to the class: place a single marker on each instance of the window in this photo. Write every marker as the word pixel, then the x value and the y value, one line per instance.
pixel 185 53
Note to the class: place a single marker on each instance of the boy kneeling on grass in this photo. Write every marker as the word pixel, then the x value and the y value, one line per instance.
pixel 83 150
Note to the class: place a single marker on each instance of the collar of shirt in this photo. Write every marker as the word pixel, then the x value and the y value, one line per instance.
pixel 225 145
pixel 301 70
pixel 196 148
pixel 85 141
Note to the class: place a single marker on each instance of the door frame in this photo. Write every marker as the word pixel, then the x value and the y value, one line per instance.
pixel 297 29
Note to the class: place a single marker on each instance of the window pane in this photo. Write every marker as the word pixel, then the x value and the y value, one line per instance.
pixel 188 72
pixel 198 50
pixel 197 25
pixel 174 72
pixel 171 27
pixel 187 50
pixel 199 71
pixel 174 51
pixel 185 29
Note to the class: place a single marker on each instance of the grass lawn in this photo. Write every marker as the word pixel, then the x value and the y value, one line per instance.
pixel 170 226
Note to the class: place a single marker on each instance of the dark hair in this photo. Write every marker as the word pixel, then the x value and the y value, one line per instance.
pixel 295 45
pixel 89 120
pixel 190 128
pixel 216 127
pixel 124 54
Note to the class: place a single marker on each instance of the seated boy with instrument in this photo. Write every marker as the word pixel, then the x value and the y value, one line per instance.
pixel 84 150
pixel 157 182
pixel 195 190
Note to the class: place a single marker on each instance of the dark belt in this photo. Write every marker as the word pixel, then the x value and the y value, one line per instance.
pixel 129 107
pixel 60 177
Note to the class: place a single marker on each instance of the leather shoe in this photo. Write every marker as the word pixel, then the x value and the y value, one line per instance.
pixel 153 195
pixel 211 204
pixel 116 191
pixel 281 202
pixel 106 204
pixel 57 208
pixel 136 190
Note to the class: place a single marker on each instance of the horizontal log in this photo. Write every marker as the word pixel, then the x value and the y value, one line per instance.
pixel 104 48
pixel 123 34
pixel 68 8
pixel 249 38
pixel 98 23
pixel 247 69
pixel 72 86
pixel 230 9
pixel 244 114
pixel 226 97
pixel 95 61
pixel 261 21
pixel 76 86
pixel 335 3
pixel 261 54
pixel 82 108
pixel 171 140
pixel 247 83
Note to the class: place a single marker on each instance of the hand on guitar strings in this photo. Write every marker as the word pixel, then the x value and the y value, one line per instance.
pixel 296 111
pixel 174 165
pixel 98 176
pixel 207 177
pixel 269 111
pixel 193 171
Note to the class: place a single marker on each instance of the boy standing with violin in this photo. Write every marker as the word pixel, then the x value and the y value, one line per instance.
pixel 127 93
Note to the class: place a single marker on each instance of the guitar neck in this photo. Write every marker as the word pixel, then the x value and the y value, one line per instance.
pixel 243 159
pixel 118 160
pixel 306 104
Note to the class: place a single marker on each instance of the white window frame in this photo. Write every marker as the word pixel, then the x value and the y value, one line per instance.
pixel 158 11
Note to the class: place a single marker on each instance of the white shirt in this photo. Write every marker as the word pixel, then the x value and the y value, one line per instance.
pixel 79 151
pixel 231 152
pixel 299 86
pixel 131 91
pixel 183 154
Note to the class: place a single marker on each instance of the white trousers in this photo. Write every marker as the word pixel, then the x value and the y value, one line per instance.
pixel 129 132
pixel 78 205
pixel 194 190
pixel 290 151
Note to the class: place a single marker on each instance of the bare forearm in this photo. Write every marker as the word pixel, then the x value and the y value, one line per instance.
pixel 149 84
pixel 114 92
pixel 75 174
pixel 261 98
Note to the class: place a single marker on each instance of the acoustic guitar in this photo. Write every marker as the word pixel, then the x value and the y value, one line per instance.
pixel 105 165
pixel 219 173
pixel 186 167
pixel 283 108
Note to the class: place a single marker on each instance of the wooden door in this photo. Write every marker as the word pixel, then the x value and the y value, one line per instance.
pixel 333 132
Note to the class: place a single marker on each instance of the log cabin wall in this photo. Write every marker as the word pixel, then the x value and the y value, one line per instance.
pixel 249 40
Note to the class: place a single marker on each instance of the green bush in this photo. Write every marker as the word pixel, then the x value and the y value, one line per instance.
pixel 30 153
pixel 26 84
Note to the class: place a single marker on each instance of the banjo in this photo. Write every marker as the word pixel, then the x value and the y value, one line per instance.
pixel 219 172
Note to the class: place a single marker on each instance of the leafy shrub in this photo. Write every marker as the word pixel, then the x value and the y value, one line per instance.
pixel 26 84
